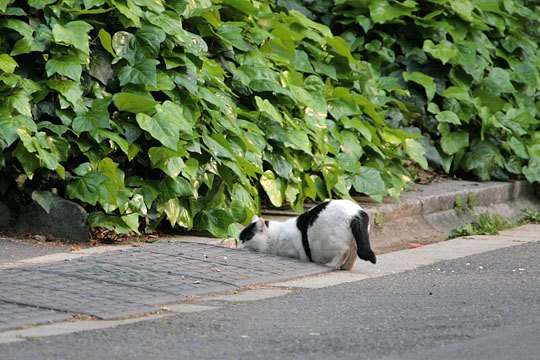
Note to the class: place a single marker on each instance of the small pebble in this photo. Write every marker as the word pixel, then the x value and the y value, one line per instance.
pixel 40 238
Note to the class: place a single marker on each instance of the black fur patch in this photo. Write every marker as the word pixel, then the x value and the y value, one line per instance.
pixel 303 223
pixel 249 231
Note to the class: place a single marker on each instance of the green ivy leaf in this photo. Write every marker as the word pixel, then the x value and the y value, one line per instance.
pixel 169 161
pixel 28 160
pixel 143 72
pixel 423 80
pixel 464 8
pixel 73 33
pixel 417 152
pixel 134 103
pixel 453 142
pixel 341 103
pixel 532 172
pixel 175 115
pixel 161 129
pixel 68 66
pixel 101 134
pixel 108 221
pixel 100 67
pixel 9 126
pixel 350 144
pixel 340 47
pixel 232 34
pixel 95 118
pixel 444 51
pixel 369 181
pixel 177 187
pixel 498 81
pixel 482 159
pixel 518 148
pixel 448 117
pixel 457 92
pixel 131 12
pixel 172 210
pixel 106 41
pixel 150 38
pixel 126 46
pixel 71 91
pixel 86 188
pixel 273 187
pixel 40 4
pixel 43 199
pixel 383 11
pixel 526 74
pixel 7 63
pixel 216 221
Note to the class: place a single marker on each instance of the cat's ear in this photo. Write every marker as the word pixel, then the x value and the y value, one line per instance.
pixel 261 225
pixel 254 218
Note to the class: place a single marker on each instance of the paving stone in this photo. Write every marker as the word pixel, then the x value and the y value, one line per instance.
pixel 136 280
pixel 29 286
pixel 241 268
pixel 142 277
pixel 15 315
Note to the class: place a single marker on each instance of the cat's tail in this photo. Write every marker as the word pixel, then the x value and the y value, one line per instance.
pixel 359 228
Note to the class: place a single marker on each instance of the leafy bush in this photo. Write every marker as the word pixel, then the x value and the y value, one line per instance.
pixel 190 112
pixel 471 70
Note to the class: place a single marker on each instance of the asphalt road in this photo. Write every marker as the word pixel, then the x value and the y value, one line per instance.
pixel 479 307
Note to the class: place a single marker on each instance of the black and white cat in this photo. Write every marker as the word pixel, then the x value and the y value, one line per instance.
pixel 332 233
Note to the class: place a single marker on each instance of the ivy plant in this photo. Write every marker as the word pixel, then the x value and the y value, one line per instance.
pixel 195 113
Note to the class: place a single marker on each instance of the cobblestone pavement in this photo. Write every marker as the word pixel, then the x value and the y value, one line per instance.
pixel 134 281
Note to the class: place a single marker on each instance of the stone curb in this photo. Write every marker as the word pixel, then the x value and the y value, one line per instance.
pixel 428 213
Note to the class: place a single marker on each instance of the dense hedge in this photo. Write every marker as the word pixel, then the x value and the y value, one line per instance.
pixel 471 69
pixel 191 112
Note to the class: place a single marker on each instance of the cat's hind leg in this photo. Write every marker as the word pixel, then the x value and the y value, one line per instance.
pixel 340 260
pixel 351 260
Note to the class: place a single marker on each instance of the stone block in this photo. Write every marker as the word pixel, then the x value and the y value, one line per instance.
pixel 65 220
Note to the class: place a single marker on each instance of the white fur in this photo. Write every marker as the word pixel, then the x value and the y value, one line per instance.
pixel 330 237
